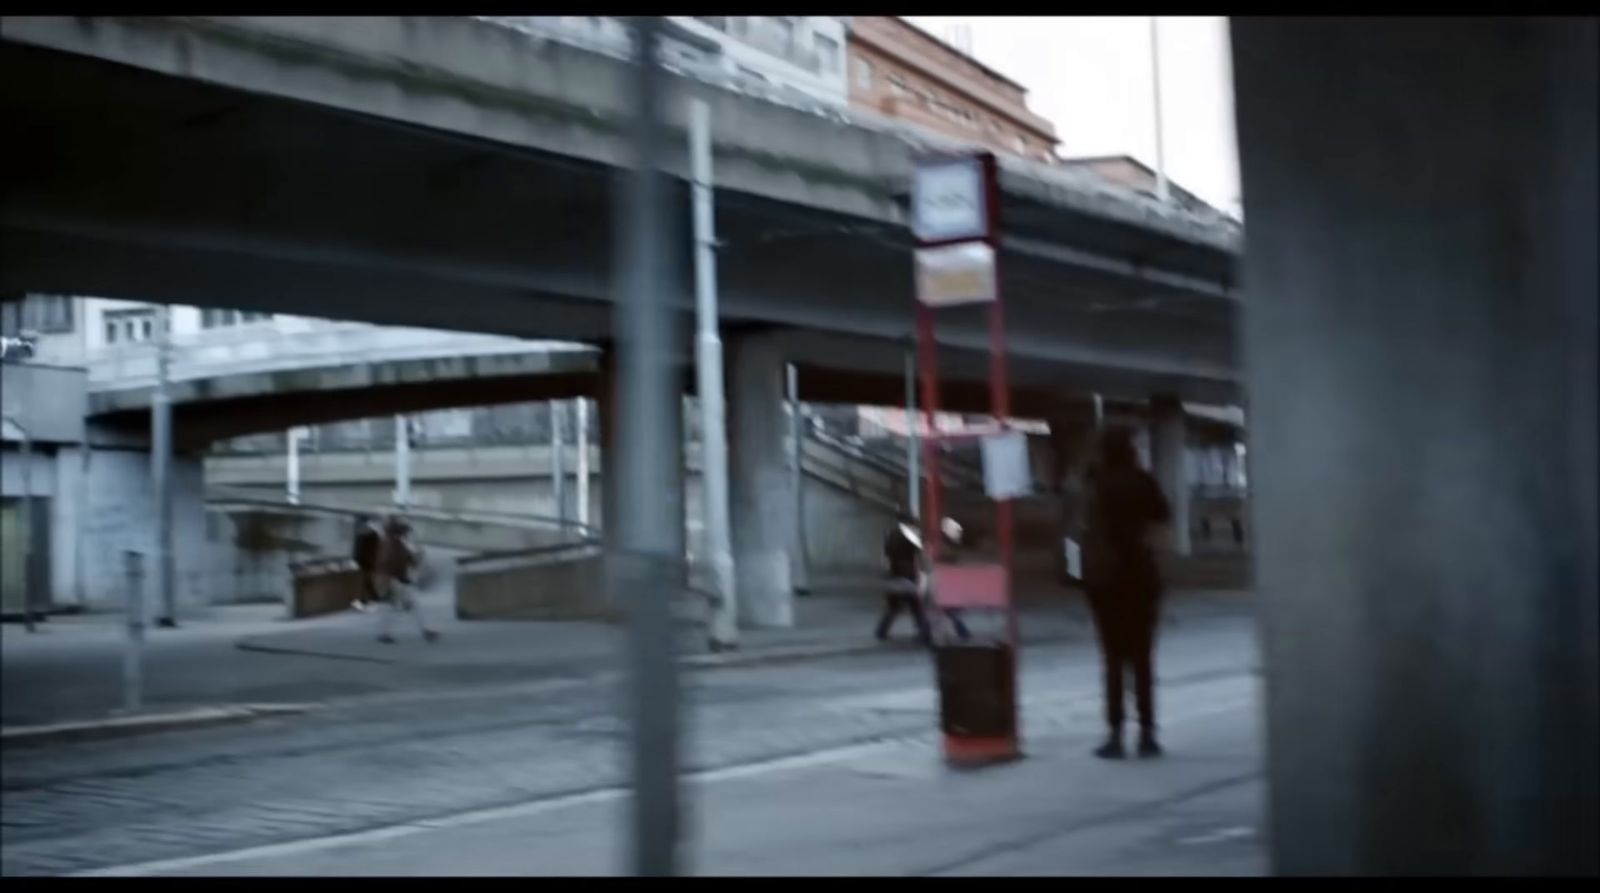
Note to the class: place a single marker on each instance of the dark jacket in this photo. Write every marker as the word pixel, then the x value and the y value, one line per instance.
pixel 397 559
pixel 901 554
pixel 1124 505
pixel 368 543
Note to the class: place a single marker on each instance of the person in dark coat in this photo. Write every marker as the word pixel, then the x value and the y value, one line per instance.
pixel 1125 510
pixel 364 551
pixel 398 560
pixel 902 585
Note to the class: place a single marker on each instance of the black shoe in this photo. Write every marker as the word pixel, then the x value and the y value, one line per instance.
pixel 387 640
pixel 1111 750
pixel 1148 748
pixel 429 635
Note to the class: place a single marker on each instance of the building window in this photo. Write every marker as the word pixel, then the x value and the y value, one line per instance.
pixel 897 86
pixel 127 326
pixel 863 74
pixel 827 54
pixel 213 318
pixel 45 314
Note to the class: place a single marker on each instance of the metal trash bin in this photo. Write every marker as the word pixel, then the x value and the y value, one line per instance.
pixel 977 689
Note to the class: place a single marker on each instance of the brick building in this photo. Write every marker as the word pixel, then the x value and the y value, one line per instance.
pixel 899 71
pixel 1134 174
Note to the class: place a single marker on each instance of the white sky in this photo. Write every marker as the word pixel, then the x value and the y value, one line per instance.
pixel 1091 76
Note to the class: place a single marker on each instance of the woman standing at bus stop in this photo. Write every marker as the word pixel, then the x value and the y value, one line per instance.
pixel 1125 511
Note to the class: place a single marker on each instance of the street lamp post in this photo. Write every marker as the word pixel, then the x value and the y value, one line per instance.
pixel 1163 188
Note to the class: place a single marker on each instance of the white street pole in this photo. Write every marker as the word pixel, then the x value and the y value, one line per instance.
pixel 558 458
pixel 161 466
pixel 710 384
pixel 584 472
pixel 800 565
pixel 402 462
pixel 913 451
pixel 292 485
pixel 1163 189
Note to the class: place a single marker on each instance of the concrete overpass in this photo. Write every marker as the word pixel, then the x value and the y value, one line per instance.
pixel 454 173
pixel 232 382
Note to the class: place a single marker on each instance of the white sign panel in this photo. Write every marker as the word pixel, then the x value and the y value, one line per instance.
pixel 948 201
pixel 1006 473
pixel 956 274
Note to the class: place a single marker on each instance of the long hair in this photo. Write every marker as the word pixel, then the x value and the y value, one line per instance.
pixel 1115 449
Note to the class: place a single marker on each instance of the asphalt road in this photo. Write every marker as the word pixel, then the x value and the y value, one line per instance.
pixel 319 791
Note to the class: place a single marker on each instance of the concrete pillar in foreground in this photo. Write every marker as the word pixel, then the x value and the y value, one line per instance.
pixel 762 484
pixel 1168 438
pixel 1422 384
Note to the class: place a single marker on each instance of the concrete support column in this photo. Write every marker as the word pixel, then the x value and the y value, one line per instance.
pixel 761 484
pixel 1422 386
pixel 1168 438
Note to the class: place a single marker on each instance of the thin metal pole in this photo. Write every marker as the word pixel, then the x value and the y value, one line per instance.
pixel 582 426
pixel 133 652
pixel 711 385
pixel 161 467
pixel 292 485
pixel 558 457
pixel 1163 189
pixel 800 564
pixel 80 557
pixel 913 453
pixel 28 525
pixel 402 462
pixel 645 569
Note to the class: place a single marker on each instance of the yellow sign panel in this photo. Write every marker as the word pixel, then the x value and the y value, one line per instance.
pixel 956 274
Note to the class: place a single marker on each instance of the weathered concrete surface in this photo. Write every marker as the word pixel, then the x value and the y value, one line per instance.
pixel 1422 357
pixel 568 584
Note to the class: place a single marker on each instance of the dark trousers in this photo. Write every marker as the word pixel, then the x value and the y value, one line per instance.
pixel 893 604
pixel 1126 628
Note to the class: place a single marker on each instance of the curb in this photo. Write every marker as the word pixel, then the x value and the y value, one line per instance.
pixel 144 724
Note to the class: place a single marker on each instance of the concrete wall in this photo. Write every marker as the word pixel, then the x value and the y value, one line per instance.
pixel 842 531
pixel 565 585
pixel 120 516
pixel 48 401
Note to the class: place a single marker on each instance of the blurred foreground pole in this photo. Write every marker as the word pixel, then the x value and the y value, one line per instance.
pixel 712 388
pixel 161 467
pixel 1422 390
pixel 644 568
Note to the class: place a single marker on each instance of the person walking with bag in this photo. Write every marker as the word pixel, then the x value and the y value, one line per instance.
pixel 397 566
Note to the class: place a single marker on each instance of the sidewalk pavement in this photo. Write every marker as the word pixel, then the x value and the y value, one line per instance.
pixel 71 671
